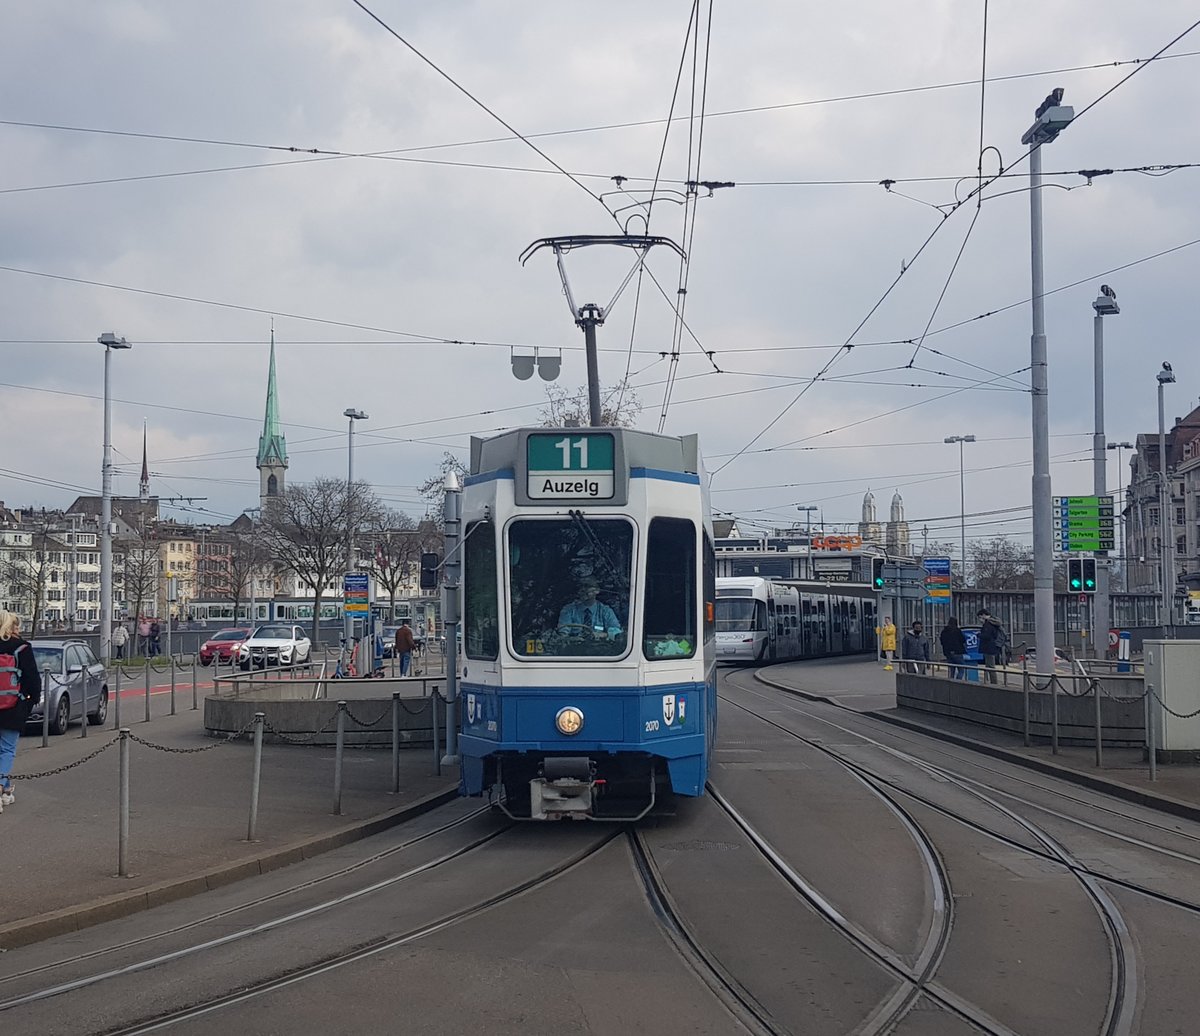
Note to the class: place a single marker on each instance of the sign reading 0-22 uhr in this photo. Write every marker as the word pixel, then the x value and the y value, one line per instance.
pixel 570 466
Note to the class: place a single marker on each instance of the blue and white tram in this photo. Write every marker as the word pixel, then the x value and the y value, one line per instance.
pixel 764 620
pixel 588 688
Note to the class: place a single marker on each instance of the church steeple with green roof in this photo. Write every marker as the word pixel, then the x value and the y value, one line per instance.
pixel 272 446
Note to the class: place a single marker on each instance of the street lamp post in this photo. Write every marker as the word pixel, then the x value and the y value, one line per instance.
pixel 352 415
pixel 808 509
pixel 1119 446
pixel 1165 526
pixel 962 497
pixel 110 342
pixel 1050 119
pixel 1105 306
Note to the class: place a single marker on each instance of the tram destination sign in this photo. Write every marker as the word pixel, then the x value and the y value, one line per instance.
pixel 1084 523
pixel 570 465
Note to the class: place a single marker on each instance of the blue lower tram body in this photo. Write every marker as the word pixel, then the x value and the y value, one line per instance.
pixel 640 743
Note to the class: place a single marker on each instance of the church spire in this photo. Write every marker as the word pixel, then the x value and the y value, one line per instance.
pixel 272 446
pixel 144 485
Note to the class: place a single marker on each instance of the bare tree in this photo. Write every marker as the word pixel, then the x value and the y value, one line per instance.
pixel 141 568
pixel 1001 564
pixel 305 531
pixel 433 489
pixel 26 573
pixel 619 406
pixel 393 547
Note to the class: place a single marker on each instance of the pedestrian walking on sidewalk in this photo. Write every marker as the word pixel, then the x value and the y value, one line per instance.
pixel 992 642
pixel 954 647
pixel 155 639
pixel 20 691
pixel 120 637
pixel 143 632
pixel 887 641
pixel 404 646
pixel 915 649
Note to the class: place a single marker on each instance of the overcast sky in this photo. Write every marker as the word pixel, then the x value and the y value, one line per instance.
pixel 111 220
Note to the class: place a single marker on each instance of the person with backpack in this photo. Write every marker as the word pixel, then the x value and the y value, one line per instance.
pixel 993 642
pixel 20 691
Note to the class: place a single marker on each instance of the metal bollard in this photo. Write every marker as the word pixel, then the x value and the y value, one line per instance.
pixel 45 706
pixel 1151 749
pixel 117 700
pixel 1054 713
pixel 252 826
pixel 1099 726
pixel 1025 693
pixel 195 704
pixel 395 742
pixel 337 758
pixel 147 719
pixel 172 685
pixel 123 832
pixel 437 750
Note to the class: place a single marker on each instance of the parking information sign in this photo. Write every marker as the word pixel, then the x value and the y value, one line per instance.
pixel 570 466
pixel 1084 523
pixel 356 593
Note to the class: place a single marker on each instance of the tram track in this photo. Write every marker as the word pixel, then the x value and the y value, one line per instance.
pixel 259 901
pixel 381 945
pixel 272 924
pixel 1123 988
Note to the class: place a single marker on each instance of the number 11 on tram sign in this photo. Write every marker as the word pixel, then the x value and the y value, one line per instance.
pixel 578 466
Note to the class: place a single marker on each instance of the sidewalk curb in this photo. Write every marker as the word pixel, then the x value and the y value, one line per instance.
pixel 1126 792
pixel 122 904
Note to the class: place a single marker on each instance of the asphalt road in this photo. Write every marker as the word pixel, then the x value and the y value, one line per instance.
pixel 843 877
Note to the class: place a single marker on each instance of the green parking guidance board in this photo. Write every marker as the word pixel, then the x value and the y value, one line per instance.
pixel 570 465
pixel 1084 523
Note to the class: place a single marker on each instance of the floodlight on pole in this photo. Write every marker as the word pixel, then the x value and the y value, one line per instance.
pixel 110 341
pixel 353 415
pixel 1120 510
pixel 962 496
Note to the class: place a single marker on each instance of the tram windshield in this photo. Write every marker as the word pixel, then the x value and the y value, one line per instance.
pixel 740 615
pixel 569 580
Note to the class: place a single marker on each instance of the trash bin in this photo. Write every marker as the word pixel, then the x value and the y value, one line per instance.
pixel 974 657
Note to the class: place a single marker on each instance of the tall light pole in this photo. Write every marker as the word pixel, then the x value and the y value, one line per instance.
pixel 110 342
pixel 808 509
pixel 352 415
pixel 1119 446
pixel 1105 306
pixel 253 513
pixel 1050 119
pixel 1165 526
pixel 962 497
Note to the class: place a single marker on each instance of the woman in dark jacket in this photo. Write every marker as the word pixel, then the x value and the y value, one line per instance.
pixel 12 720
pixel 954 647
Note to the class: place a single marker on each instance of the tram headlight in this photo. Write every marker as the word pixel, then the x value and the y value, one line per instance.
pixel 569 720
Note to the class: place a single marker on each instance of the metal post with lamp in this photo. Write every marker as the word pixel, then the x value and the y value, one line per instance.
pixel 1050 119
pixel 352 415
pixel 1120 511
pixel 110 341
pixel 962 497
pixel 1166 376
pixel 1105 306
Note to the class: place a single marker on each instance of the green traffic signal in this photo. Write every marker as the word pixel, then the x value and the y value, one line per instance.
pixel 1076 584
pixel 877 573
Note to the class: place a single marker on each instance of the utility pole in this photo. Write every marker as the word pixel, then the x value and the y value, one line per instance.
pixel 73 586
pixel 110 342
pixel 451 602
pixel 1166 524
pixel 1105 305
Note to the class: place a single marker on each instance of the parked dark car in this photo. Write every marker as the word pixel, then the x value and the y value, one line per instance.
pixel 223 645
pixel 77 684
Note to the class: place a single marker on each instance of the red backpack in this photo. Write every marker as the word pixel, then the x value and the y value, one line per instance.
pixel 10 680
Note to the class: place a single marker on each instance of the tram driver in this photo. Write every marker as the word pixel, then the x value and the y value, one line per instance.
pixel 590 613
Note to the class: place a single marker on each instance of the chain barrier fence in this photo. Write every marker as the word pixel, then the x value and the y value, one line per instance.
pixel 257 727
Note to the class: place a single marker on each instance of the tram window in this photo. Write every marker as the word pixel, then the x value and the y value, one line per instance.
pixel 670 613
pixel 569 581
pixel 709 588
pixel 741 615
pixel 481 629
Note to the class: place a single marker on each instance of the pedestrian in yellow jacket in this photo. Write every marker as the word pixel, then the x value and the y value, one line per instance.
pixel 887 641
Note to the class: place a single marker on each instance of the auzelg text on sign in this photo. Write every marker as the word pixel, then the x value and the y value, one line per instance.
pixel 570 466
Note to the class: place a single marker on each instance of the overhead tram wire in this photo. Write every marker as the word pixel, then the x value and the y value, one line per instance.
pixel 662 153
pixel 467 93
pixel 605 127
pixel 848 345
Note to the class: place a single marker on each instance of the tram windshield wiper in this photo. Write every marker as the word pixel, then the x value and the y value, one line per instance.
pixel 602 552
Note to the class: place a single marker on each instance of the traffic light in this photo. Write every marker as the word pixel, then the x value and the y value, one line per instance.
pixel 1075 575
pixel 877 573
pixel 430 563
pixel 1089 575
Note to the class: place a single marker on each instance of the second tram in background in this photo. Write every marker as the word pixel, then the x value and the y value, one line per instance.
pixel 764 620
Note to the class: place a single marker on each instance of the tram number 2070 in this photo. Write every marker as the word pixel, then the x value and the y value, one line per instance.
pixel 651 726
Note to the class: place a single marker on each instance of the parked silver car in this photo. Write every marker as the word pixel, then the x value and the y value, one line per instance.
pixel 75 684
